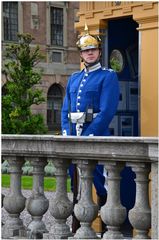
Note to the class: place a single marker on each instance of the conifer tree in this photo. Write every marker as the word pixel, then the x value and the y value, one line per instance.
pixel 21 92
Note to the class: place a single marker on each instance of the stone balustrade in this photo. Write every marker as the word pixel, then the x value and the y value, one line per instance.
pixel 139 153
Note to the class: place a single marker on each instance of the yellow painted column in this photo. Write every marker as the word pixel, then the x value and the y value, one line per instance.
pixel 148 69
pixel 148 78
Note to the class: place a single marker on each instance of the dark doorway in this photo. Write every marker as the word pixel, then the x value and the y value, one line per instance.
pixel 123 58
pixel 54 104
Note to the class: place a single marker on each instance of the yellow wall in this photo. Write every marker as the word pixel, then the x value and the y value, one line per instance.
pixel 148 82
pixel 96 14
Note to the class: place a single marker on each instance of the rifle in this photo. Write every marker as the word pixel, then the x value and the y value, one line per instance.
pixel 75 221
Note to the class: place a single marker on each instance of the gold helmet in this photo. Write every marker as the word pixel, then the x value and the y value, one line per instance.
pixel 88 41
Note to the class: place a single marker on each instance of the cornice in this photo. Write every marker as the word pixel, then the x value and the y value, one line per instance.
pixel 142 12
pixel 146 19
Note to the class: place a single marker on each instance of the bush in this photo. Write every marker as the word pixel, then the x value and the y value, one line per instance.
pixel 4 167
pixel 20 91
pixel 50 170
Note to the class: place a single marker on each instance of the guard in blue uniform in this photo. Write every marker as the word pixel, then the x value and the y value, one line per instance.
pixel 91 101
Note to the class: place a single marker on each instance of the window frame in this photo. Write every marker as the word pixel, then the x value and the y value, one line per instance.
pixel 8 35
pixel 56 27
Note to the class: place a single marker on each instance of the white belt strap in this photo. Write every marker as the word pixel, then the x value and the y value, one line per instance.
pixel 79 117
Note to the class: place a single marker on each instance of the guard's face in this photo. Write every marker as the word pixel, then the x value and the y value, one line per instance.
pixel 90 55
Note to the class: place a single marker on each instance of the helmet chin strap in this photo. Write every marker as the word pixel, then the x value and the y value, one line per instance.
pixel 91 64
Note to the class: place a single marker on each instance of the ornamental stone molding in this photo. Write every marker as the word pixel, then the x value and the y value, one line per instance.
pixel 141 153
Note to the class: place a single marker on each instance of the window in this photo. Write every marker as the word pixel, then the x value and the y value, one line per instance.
pixel 10 20
pixel 117 60
pixel 56 26
pixel 57 57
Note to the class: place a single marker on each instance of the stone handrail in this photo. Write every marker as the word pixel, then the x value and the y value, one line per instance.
pixel 113 152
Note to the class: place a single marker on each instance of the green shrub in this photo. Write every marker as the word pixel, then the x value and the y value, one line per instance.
pixel 4 167
pixel 20 90
pixel 49 169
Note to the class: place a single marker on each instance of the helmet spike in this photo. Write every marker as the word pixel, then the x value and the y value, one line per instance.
pixel 86 28
pixel 87 41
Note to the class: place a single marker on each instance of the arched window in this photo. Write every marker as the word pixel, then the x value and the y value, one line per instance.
pixel 54 104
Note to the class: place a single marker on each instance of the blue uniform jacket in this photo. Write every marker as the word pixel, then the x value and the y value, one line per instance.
pixel 98 88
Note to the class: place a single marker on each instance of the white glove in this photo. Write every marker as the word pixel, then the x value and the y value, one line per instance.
pixel 64 133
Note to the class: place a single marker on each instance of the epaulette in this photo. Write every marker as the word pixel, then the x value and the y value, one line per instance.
pixel 110 70
pixel 107 69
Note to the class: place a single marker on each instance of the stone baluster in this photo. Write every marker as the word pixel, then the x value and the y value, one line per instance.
pixel 85 210
pixel 140 215
pixel 60 206
pixel 113 213
pixel 14 203
pixel 37 204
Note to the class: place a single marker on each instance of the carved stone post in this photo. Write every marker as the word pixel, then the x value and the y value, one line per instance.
pixel 60 206
pixel 140 215
pixel 37 204
pixel 86 210
pixel 113 213
pixel 14 203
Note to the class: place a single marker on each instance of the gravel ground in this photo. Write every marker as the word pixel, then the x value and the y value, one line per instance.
pixel 25 216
